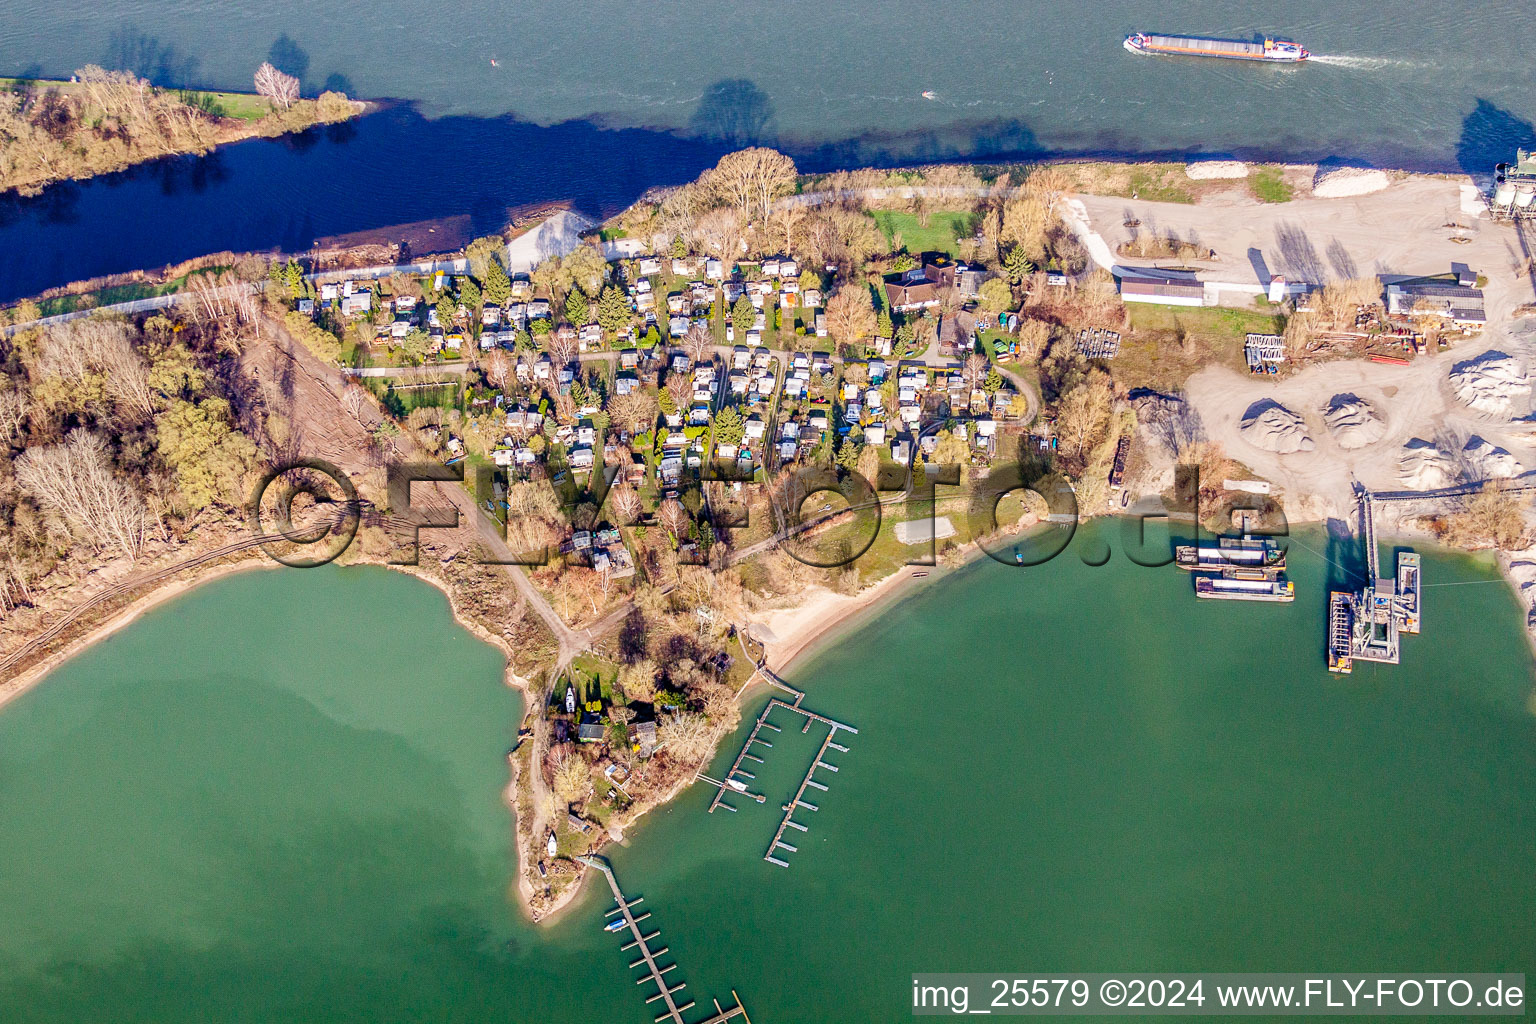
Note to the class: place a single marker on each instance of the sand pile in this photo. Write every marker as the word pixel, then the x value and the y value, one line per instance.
pixel 1348 181
pixel 1202 170
pixel 1487 461
pixel 1271 426
pixel 1352 421
pixel 1422 466
pixel 1493 382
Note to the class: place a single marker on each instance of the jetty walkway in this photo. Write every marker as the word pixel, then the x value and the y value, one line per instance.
pixel 733 779
pixel 665 990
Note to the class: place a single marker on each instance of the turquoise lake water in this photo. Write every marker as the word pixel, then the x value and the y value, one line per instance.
pixel 278 798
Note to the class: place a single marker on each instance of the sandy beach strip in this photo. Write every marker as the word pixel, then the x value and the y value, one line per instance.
pixel 12 688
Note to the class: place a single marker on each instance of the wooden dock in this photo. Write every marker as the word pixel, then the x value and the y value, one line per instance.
pixel 655 973
pixel 722 788
pixel 746 754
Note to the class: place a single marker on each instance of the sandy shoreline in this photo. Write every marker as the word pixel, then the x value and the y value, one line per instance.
pixel 798 633
pixel 27 680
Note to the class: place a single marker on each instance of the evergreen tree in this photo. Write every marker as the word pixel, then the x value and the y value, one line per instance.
pixel 743 315
pixel 498 286
pixel 1018 264
pixel 848 454
pixel 577 309
pixel 883 323
pixel 729 428
pixel 679 248
pixel 613 310
pixel 469 295
pixel 447 309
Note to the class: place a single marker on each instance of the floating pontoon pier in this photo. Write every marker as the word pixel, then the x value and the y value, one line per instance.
pixel 731 784
pixel 1366 625
pixel 655 973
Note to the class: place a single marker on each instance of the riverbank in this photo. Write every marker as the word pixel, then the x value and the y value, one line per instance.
pixel 34 674
pixel 54 136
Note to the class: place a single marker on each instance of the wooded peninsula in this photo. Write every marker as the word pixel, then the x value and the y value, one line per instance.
pixel 103 121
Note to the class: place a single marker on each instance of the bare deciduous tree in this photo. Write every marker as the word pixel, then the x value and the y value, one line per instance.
pixel 686 736
pixel 626 503
pixel 498 369
pixel 353 398
pixel 127 373
pixel 13 412
pixel 673 516
pixel 698 342
pixel 850 313
pixel 751 179
pixel 562 347
pixel 573 779
pixel 681 390
pixel 974 370
pixel 73 481
pixel 220 300
pixel 634 412
pixel 720 232
pixel 281 89
pixel 98 349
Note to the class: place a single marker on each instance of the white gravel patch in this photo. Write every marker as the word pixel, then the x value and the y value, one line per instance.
pixel 1204 170
pixel 1348 181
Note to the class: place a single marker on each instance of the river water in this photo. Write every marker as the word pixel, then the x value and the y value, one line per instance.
pixel 1426 85
pixel 278 799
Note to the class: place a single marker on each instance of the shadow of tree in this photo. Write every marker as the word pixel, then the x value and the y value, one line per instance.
pixel 1490 135
pixel 1343 263
pixel 1298 256
pixel 733 111
pixel 338 82
pixel 288 56
pixel 130 49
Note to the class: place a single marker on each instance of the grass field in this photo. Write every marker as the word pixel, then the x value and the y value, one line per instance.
pixel 115 294
pixel 1164 183
pixel 945 228
pixel 1167 343
pixel 1269 185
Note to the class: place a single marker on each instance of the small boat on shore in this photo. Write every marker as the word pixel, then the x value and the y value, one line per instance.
pixel 1281 51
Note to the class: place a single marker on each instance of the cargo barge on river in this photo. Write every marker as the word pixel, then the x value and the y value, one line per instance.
pixel 1276 51
pixel 1245 568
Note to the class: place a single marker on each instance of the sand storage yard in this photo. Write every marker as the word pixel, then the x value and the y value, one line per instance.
pixel 1423 466
pixel 1486 461
pixel 1353 421
pixel 1494 382
pixel 1271 426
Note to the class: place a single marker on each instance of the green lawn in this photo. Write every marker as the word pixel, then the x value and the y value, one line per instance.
pixel 1269 184
pixel 115 294
pixel 1208 322
pixel 1168 343
pixel 945 228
